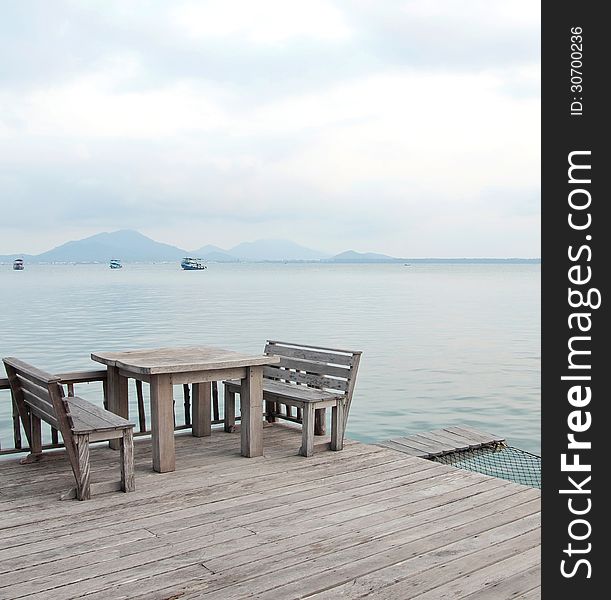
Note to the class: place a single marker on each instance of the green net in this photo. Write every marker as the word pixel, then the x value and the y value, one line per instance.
pixel 498 460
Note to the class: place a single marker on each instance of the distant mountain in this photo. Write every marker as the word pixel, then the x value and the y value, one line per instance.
pixel 353 257
pixel 132 246
pixel 262 250
pixel 207 249
pixel 214 254
pixel 126 245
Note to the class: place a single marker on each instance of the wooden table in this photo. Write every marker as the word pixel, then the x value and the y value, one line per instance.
pixel 200 365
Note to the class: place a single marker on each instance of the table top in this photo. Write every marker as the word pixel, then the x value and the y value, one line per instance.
pixel 155 361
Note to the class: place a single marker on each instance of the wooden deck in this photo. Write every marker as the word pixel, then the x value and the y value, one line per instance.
pixel 365 522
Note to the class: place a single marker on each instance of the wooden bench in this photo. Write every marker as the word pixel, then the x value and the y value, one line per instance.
pixel 39 396
pixel 310 378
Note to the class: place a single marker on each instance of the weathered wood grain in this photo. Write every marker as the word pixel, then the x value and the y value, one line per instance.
pixel 162 424
pixel 251 408
pixel 367 520
pixel 179 360
pixel 442 441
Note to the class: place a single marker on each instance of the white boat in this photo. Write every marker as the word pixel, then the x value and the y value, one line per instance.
pixel 192 264
pixel 18 264
pixel 115 263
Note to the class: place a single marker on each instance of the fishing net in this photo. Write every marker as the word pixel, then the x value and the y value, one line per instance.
pixel 498 460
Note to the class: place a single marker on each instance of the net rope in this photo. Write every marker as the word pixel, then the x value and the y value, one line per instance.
pixel 498 460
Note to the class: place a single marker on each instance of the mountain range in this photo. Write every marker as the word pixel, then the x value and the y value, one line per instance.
pixel 132 246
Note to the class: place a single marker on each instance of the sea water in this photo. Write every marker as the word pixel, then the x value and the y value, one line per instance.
pixel 442 344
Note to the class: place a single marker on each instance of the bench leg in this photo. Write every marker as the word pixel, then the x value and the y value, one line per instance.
pixel 307 433
pixel 270 409
pixel 337 426
pixel 83 491
pixel 117 398
pixel 35 441
pixel 320 421
pixel 229 411
pixel 128 483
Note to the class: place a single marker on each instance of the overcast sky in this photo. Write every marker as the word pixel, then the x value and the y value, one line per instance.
pixel 404 127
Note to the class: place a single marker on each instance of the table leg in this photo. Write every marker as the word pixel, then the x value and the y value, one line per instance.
pixel 162 424
pixel 202 424
pixel 118 402
pixel 251 406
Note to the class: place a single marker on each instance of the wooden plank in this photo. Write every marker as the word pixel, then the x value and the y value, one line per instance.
pixel 430 448
pixel 507 587
pixel 208 376
pixel 488 576
pixel 315 367
pixel 483 438
pixel 485 434
pixel 534 594
pixel 307 354
pixel 95 414
pixel 82 376
pixel 43 409
pixel 105 435
pixel 457 439
pixel 453 445
pixel 278 342
pixel 317 381
pixel 282 390
pixel 404 448
pixel 31 373
pixel 179 360
pixel 297 392
pixel 36 390
pixel 439 447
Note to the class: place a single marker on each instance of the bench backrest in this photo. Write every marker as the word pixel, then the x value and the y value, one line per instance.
pixel 41 392
pixel 317 367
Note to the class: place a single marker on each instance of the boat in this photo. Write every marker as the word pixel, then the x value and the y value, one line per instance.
pixel 115 263
pixel 192 264
pixel 18 264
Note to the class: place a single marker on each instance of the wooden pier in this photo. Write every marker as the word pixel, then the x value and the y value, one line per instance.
pixel 367 522
pixel 439 442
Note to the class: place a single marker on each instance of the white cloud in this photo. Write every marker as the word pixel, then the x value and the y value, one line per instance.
pixel 262 22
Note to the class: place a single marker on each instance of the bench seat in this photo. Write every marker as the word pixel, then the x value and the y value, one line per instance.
pixel 289 392
pixel 87 417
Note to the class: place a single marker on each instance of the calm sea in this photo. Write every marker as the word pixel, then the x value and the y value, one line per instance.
pixel 442 344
